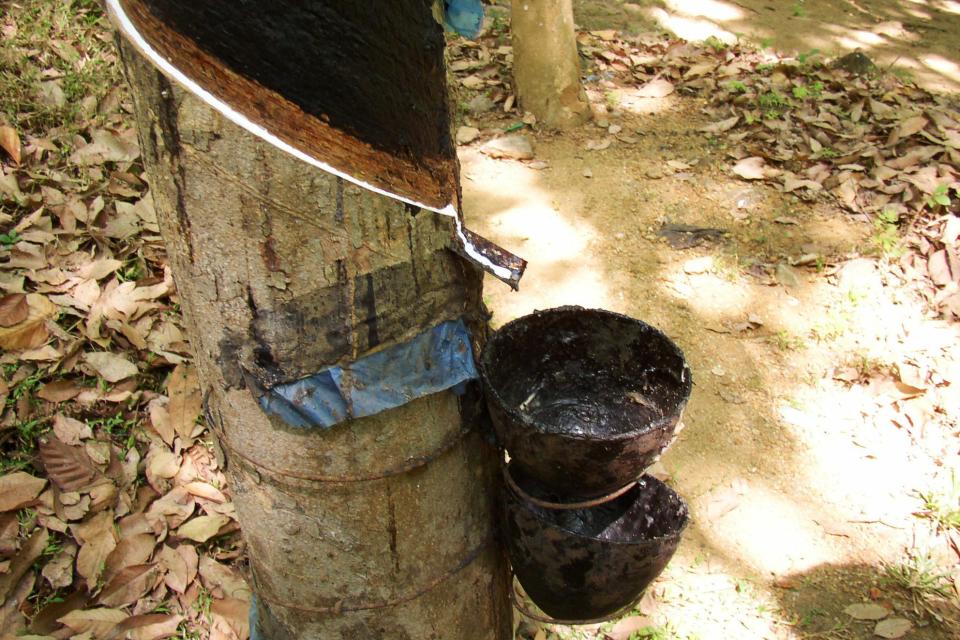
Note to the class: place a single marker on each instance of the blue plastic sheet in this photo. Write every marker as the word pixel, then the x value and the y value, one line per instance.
pixel 464 16
pixel 434 361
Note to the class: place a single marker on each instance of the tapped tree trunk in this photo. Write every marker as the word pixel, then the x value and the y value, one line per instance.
pixel 379 527
pixel 546 65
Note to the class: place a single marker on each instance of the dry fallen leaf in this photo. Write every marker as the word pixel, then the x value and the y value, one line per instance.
pixel 215 575
pixel 70 468
pixel 32 331
pixel 70 430
pixel 59 571
pixel 97 622
pixel 160 420
pixel 22 562
pixel 129 585
pixel 99 539
pixel 753 168
pixel 186 401
pixel 19 489
pixel 867 611
pixel 180 565
pixel 723 125
pixel 230 618
pixel 59 391
pixel 202 528
pixel 13 309
pixel 10 142
pixel 658 88
pixel 111 366
pixel 151 626
pixel 893 628
pixel 132 550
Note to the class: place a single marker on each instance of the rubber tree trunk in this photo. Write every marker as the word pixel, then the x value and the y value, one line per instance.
pixel 379 527
pixel 546 65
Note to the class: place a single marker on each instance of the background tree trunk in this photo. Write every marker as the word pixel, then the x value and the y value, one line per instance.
pixel 283 269
pixel 546 65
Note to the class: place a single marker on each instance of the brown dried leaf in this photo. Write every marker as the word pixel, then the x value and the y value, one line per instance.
pixel 866 611
pixel 230 618
pixel 131 584
pixel 160 420
pixel 10 142
pixel 939 267
pixel 110 366
pixel 19 489
pixel 893 628
pixel 202 528
pixel 186 402
pixel 9 534
pixel 31 332
pixel 205 490
pixel 70 430
pixel 59 571
pixel 162 465
pixel 658 88
pixel 151 626
pixel 70 468
pixel 907 128
pixel 22 562
pixel 13 309
pixel 99 539
pixel 130 551
pixel 215 575
pixel 12 621
pixel 108 146
pixel 723 125
pixel 97 622
pixel 172 509
pixel 181 565
pixel 752 168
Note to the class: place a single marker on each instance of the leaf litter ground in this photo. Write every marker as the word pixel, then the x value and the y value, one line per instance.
pixel 116 519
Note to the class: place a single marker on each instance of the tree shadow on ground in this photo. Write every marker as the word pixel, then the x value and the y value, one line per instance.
pixel 918 37
pixel 814 602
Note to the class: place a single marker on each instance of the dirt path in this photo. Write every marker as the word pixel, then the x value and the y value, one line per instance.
pixel 800 460
pixel 917 36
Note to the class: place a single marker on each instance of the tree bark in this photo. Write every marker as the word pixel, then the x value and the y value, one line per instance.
pixel 380 527
pixel 546 66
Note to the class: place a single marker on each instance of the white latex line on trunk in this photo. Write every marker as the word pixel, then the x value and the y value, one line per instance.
pixel 125 25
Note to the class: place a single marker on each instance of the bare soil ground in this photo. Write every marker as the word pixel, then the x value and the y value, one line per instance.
pixel 816 304
pixel 802 474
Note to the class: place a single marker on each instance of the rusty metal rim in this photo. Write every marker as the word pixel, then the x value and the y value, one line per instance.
pixel 685 512
pixel 557 506
pixel 409 465
pixel 343 606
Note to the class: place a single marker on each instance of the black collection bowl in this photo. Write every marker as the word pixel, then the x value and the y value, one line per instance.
pixel 591 563
pixel 583 399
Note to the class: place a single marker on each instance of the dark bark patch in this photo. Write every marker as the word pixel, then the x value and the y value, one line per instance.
pixel 396 303
pixel 268 251
pixel 358 85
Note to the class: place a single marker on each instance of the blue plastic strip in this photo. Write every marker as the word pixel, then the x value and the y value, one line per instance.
pixel 434 361
pixel 254 619
pixel 464 16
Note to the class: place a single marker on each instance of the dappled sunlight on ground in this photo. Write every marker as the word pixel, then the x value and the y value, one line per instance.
pixel 918 36
pixel 791 475
pixel 693 29
pixel 529 222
